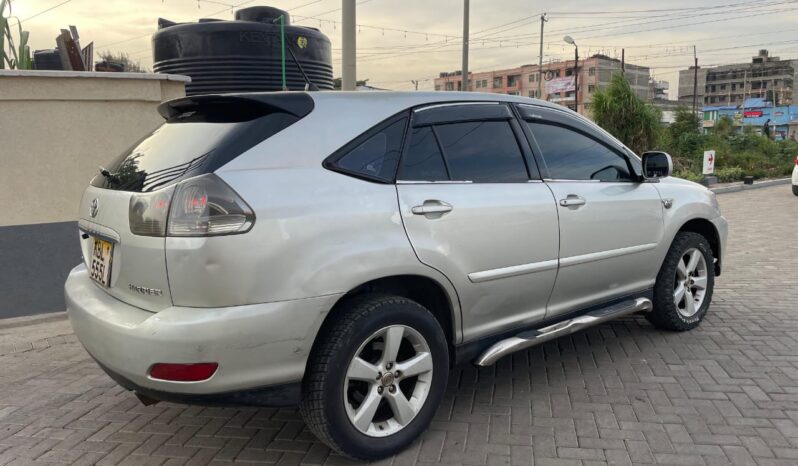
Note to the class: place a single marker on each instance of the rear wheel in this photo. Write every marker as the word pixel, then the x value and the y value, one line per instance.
pixel 795 189
pixel 683 290
pixel 376 377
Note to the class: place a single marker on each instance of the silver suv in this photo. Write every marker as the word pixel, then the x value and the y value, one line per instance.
pixel 341 251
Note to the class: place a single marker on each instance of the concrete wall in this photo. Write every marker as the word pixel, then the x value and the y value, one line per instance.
pixel 55 129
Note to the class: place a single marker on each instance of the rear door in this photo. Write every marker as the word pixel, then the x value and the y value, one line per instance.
pixel 610 221
pixel 474 208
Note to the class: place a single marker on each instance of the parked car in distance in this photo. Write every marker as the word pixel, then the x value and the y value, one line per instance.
pixel 795 177
pixel 341 251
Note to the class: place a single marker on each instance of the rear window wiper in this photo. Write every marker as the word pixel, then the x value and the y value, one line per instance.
pixel 108 175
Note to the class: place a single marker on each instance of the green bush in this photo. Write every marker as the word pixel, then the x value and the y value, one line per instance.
pixel 730 174
pixel 689 175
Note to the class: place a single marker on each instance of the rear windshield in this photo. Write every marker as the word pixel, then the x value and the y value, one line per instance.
pixel 195 142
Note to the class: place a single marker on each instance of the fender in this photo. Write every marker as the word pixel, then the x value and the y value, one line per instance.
pixel 688 201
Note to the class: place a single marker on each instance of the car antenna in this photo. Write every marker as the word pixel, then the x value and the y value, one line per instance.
pixel 309 85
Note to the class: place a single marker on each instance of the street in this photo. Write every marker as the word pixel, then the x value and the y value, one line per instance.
pixel 620 393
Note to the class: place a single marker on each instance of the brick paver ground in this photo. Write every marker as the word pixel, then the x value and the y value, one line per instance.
pixel 726 393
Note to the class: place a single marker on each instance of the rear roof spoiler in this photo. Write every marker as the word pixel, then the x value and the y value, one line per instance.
pixel 298 104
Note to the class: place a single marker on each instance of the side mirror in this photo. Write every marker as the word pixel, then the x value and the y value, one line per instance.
pixel 657 165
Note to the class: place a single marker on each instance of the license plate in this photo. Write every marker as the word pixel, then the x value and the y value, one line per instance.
pixel 100 266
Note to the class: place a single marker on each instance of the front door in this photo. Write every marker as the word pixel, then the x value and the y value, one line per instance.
pixel 474 208
pixel 610 221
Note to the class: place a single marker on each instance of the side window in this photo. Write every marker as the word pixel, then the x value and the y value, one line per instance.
pixel 482 152
pixel 377 156
pixel 423 160
pixel 570 155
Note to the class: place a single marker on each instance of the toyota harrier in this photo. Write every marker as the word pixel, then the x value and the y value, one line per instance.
pixel 341 251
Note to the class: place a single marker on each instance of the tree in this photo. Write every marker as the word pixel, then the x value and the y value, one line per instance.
pixel 627 117
pixel 724 127
pixel 685 122
pixel 122 59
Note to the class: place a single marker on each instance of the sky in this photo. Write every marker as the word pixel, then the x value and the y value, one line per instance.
pixel 403 41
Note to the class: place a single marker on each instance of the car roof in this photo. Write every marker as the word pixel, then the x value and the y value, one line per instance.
pixel 405 99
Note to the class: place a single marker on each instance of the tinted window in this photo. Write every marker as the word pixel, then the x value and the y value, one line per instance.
pixel 482 151
pixel 378 155
pixel 187 147
pixel 423 160
pixel 570 155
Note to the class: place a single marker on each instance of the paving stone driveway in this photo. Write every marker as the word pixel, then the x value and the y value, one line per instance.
pixel 620 393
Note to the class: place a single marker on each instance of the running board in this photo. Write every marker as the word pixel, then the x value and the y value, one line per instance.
pixel 531 338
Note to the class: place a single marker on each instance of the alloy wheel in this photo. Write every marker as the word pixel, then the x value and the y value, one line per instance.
pixel 690 286
pixel 388 381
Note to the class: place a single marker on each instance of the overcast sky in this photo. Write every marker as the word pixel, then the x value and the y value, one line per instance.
pixel 504 32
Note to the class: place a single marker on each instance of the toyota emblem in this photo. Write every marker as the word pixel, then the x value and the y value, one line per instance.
pixel 94 207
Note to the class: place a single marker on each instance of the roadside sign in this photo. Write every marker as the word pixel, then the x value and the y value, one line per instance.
pixel 709 162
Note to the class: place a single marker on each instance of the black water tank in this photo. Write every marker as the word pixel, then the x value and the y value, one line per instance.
pixel 242 55
pixel 49 59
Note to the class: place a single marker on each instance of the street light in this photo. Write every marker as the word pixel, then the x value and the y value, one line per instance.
pixel 570 40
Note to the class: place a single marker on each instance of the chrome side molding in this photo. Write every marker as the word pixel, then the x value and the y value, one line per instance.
pixel 531 338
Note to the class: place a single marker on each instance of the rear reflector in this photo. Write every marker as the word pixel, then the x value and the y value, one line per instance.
pixel 183 372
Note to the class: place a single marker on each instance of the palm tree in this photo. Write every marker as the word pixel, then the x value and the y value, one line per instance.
pixel 627 117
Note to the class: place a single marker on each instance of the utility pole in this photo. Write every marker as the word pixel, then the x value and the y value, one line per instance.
pixel 695 78
pixel 415 83
pixel 543 21
pixel 465 46
pixel 348 45
pixel 623 62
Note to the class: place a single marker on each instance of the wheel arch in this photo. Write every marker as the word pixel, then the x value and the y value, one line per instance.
pixel 422 289
pixel 708 230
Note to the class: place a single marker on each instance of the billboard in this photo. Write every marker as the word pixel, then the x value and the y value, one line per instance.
pixel 557 85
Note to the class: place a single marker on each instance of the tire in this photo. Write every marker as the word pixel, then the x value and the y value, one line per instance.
pixel 331 398
pixel 667 314
pixel 795 189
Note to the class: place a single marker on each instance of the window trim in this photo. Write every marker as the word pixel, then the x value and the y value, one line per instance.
pixel 330 163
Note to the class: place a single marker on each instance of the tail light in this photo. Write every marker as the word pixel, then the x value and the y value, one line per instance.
pixel 148 212
pixel 201 206
pixel 796 160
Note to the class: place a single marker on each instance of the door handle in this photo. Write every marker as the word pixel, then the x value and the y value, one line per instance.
pixel 432 207
pixel 572 200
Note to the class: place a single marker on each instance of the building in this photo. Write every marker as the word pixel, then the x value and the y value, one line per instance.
pixel 756 113
pixel 765 77
pixel 558 83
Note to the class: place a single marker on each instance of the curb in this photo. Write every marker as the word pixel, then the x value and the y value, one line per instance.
pixel 745 187
pixel 32 320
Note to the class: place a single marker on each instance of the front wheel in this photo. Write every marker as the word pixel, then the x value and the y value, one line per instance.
pixel 795 189
pixel 376 377
pixel 684 286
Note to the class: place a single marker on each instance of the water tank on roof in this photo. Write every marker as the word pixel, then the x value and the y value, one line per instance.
pixel 243 55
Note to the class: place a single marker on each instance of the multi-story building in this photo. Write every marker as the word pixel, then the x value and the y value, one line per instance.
pixel 765 77
pixel 558 83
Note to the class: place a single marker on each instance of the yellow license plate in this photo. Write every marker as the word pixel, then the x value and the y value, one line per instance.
pixel 102 252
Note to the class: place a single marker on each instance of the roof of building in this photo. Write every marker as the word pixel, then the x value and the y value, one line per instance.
pixel 756 102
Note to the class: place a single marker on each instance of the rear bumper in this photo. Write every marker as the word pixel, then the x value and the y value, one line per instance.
pixel 795 175
pixel 256 346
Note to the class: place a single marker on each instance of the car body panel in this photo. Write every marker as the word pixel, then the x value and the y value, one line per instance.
pixel 498 246
pixel 607 245
pixel 255 346
pixel 137 260
pixel 795 173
